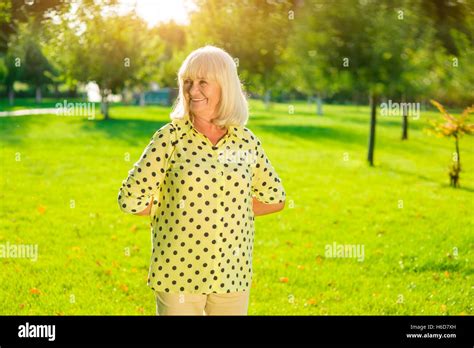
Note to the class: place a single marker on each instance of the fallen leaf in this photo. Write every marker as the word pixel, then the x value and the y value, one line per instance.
pixel 41 209
pixel 311 301
pixel 319 259
pixel 300 267
pixel 283 280
pixel 35 291
pixel 133 228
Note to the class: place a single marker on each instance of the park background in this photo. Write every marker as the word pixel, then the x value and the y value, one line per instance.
pixel 319 75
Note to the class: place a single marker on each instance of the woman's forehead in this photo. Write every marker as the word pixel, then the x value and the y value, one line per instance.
pixel 195 77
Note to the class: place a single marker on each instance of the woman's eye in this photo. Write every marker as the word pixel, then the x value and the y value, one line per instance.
pixel 203 83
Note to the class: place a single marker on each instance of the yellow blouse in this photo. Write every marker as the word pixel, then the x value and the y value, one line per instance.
pixel 202 220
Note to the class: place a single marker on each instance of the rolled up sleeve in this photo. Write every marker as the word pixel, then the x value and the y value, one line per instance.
pixel 147 174
pixel 267 186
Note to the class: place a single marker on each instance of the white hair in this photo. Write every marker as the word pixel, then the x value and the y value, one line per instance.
pixel 214 63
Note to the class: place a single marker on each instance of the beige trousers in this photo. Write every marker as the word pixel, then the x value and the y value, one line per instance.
pixel 233 303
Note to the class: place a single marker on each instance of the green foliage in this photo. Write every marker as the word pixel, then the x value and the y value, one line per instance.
pixel 254 32
pixel 453 126
pixel 408 49
pixel 3 69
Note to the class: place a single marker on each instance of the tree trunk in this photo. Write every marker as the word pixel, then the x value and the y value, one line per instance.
pixel 319 104
pixel 373 120
pixel 142 98
pixel 455 168
pixel 405 127
pixel 38 94
pixel 11 95
pixel 104 105
pixel 404 121
pixel 267 99
pixel 458 156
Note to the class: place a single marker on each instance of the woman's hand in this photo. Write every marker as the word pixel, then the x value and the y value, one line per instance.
pixel 147 209
pixel 260 208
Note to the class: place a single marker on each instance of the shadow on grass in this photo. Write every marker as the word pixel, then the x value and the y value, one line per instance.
pixel 385 121
pixel 408 173
pixel 443 267
pixel 425 178
pixel 15 128
pixel 314 133
pixel 134 132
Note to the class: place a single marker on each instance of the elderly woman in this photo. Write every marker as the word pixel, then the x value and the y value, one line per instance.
pixel 202 179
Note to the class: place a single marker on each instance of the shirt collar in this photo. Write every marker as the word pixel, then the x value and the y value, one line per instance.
pixel 184 125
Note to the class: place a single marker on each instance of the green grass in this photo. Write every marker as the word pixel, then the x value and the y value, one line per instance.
pixel 409 266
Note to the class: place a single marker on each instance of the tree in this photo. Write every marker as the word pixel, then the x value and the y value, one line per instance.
pixel 110 49
pixel 254 32
pixel 306 65
pixel 13 16
pixel 174 40
pixel 363 47
pixel 455 127
pixel 14 12
pixel 36 66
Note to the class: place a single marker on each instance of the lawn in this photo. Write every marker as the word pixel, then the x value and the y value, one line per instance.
pixel 61 175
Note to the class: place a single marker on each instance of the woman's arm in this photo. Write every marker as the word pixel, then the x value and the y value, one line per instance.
pixel 260 208
pixel 147 210
pixel 147 173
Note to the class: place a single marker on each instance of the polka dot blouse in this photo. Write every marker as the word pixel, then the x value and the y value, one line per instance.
pixel 202 219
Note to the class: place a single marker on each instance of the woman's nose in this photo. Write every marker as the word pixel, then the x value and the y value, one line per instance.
pixel 194 89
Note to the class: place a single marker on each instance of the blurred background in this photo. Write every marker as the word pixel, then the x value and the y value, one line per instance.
pixel 364 108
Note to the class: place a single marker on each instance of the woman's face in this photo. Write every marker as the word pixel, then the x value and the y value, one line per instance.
pixel 203 96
